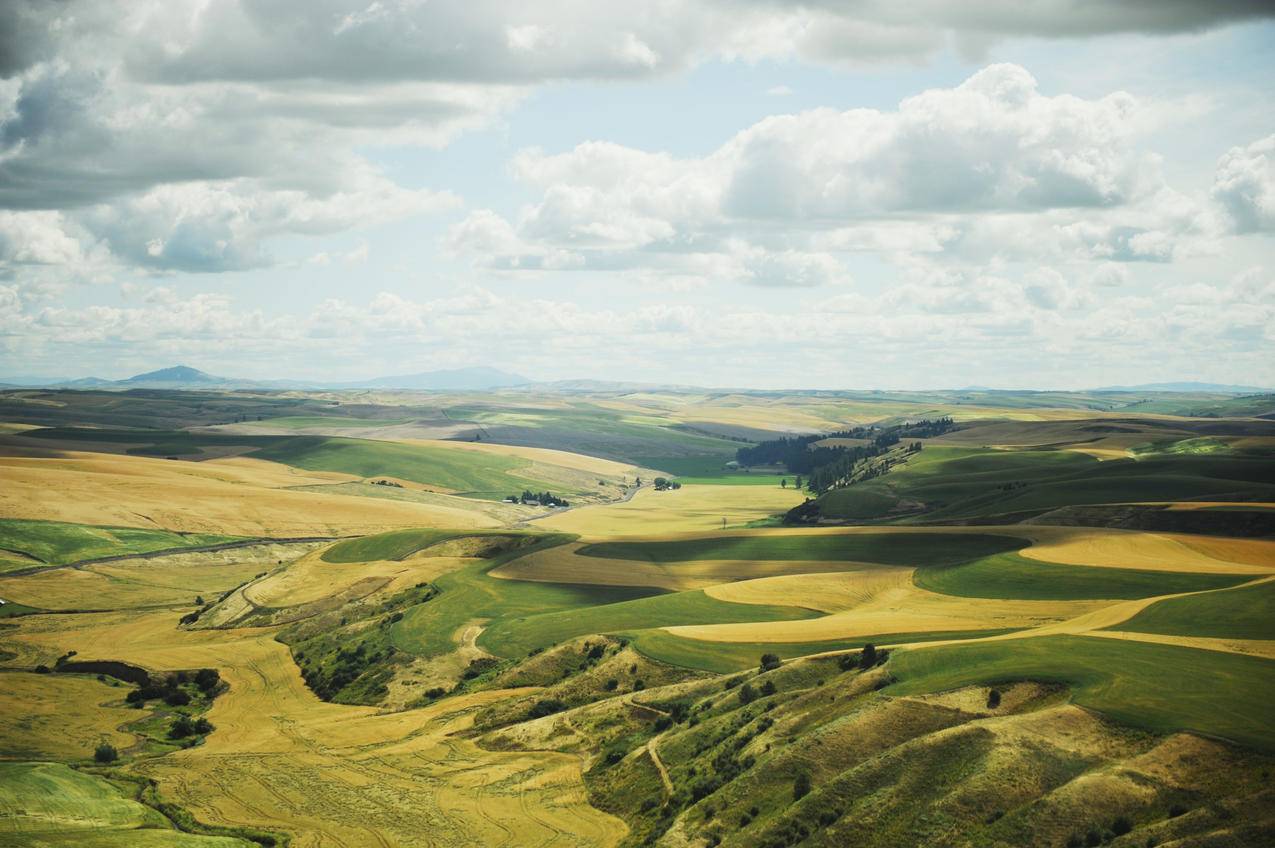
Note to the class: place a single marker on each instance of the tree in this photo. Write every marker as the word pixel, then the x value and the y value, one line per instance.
pixel 747 694
pixel 783 484
pixel 801 786
pixel 869 656
pixel 797 484
pixel 993 699
pixel 106 753
pixel 769 661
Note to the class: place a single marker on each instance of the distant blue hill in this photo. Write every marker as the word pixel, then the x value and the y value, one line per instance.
pixel 1224 388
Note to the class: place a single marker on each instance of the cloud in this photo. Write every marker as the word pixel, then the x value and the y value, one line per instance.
pixel 989 168
pixel 1244 185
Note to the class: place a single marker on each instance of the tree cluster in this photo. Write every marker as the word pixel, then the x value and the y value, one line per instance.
pixel 826 465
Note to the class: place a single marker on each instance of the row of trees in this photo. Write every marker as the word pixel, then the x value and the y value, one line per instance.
pixel 542 498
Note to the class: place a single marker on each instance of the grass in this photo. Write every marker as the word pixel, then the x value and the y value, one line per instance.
pixel 710 470
pixel 884 548
pixel 395 545
pixel 1009 575
pixel 58 543
pixel 972 482
pixel 476 474
pixel 727 657
pixel 303 422
pixel 469 593
pixel 1247 612
pixel 471 473
pixel 516 636
pixel 1161 688
pixel 52 804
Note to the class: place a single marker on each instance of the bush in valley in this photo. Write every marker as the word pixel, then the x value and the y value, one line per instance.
pixel 105 753
pixel 993 699
pixel 479 667
pixel 176 698
pixel 546 706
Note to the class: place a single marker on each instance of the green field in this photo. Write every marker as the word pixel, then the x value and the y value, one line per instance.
pixel 470 473
pixel 727 657
pixel 884 548
pixel 1162 688
pixel 1012 576
pixel 50 804
pixel 515 636
pixel 710 470
pixel 952 482
pixel 1247 612
pixel 57 543
pixel 477 474
pixel 305 422
pixel 395 545
pixel 468 594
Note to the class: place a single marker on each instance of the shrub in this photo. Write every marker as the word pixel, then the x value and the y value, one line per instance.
pixel 611 684
pixel 1093 838
pixel 42 669
pixel 847 662
pixel 176 698
pixel 769 661
pixel 868 658
pixel 993 699
pixel 106 753
pixel 435 693
pixel 768 688
pixel 747 694
pixel 801 786
pixel 545 707
pixel 181 728
pixel 1121 825
pixel 1176 810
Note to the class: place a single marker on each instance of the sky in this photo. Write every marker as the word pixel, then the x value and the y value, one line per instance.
pixel 744 193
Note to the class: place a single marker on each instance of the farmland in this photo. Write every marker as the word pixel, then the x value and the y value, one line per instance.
pixel 403 659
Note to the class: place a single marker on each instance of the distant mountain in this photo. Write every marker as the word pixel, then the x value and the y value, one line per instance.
pixel 86 383
pixel 178 375
pixel 1223 388
pixel 458 379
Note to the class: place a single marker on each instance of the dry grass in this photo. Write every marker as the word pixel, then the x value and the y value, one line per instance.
pixel 61 717
pixel 334 774
pixel 691 508
pixel 867 608
pixel 563 564
pixel 174 580
pixel 238 496
pixel 1155 551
